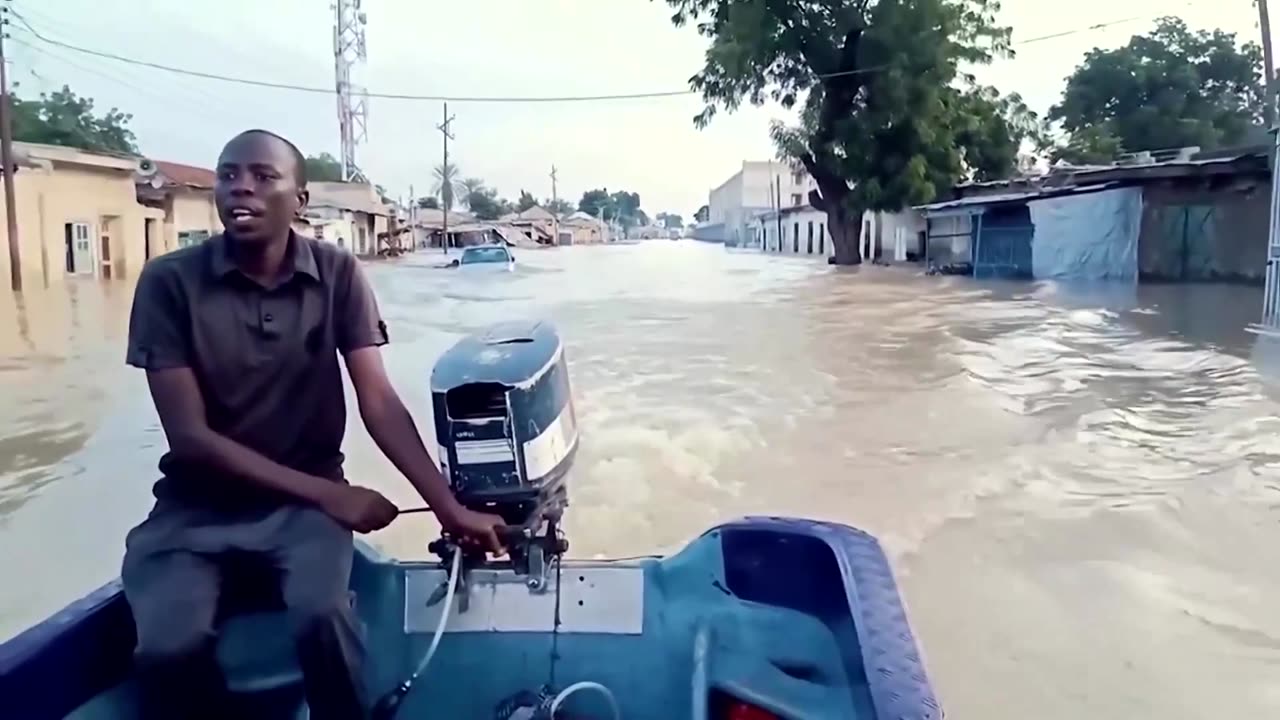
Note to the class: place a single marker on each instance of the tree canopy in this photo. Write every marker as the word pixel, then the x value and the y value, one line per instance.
pixel 485 204
pixel 1169 88
pixel 888 119
pixel 670 221
pixel 428 203
pixel 703 214
pixel 559 206
pixel 525 202
pixel 323 168
pixel 64 118
pixel 622 206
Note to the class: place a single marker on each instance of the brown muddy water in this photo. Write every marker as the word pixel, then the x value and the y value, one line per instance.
pixel 1079 488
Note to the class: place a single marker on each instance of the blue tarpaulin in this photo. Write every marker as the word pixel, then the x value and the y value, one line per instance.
pixel 1090 236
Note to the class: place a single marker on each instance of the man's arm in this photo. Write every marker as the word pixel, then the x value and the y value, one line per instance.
pixel 361 332
pixel 182 414
pixel 393 430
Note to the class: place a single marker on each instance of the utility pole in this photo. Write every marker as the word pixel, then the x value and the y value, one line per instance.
pixel 6 158
pixel 413 219
pixel 446 182
pixel 1264 20
pixel 349 49
pixel 555 216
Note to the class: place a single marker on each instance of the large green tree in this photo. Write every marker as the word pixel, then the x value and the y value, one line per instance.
pixel 64 118
pixel 485 204
pixel 1169 88
pixel 323 168
pixel 597 203
pixel 621 206
pixel 888 120
pixel 670 221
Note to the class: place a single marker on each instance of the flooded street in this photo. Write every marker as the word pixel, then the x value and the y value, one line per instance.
pixel 1080 489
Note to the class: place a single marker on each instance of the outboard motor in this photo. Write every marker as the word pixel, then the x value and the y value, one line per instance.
pixel 508 435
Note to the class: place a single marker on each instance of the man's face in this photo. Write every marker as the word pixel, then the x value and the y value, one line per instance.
pixel 257 191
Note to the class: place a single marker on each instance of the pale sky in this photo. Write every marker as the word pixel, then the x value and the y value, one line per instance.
pixel 486 48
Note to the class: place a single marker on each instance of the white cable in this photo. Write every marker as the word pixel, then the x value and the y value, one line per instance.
pixel 444 612
pixel 587 685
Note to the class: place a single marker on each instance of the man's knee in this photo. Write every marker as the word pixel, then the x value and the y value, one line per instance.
pixel 172 639
pixel 321 614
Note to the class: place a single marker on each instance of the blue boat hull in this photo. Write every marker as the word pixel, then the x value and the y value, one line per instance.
pixel 799 618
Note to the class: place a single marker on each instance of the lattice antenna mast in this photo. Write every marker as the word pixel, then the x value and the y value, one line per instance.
pixel 353 101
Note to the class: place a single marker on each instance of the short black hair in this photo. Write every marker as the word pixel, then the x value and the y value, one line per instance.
pixel 299 160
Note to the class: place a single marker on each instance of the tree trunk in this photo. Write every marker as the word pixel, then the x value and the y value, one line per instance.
pixel 844 228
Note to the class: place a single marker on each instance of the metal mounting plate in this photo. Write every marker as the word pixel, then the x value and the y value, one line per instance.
pixel 595 599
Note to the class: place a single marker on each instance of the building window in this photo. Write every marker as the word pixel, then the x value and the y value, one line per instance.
pixel 798 177
pixel 810 249
pixel 822 232
pixel 187 238
pixel 795 238
pixel 795 199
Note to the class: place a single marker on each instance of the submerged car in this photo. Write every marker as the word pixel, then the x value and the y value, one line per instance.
pixel 487 257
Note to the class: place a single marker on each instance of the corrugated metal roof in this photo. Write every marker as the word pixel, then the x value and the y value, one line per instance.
pixel 977 204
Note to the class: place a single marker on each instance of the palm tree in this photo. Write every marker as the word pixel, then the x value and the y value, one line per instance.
pixel 447 184
pixel 470 185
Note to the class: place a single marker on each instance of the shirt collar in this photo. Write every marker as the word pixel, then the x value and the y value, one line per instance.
pixel 298 258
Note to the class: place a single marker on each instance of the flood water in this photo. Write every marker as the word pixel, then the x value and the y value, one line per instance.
pixel 1079 488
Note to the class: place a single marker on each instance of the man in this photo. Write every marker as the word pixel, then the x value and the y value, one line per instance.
pixel 240 338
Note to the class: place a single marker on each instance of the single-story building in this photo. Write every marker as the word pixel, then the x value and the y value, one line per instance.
pixel 583 229
pixel 352 215
pixel 1200 216
pixel 78 215
pixel 537 222
pixel 803 230
pixel 184 193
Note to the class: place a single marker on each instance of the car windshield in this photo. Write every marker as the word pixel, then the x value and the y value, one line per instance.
pixel 485 255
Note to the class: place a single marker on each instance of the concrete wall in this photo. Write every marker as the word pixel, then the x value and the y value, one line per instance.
pixel 803 233
pixel 104 199
pixel 1205 234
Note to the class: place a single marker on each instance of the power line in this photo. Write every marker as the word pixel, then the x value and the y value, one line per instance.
pixel 489 99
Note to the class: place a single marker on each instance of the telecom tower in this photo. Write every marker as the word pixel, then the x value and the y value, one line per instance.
pixel 348 50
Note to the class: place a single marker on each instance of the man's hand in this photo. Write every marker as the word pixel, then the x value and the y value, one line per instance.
pixel 360 509
pixel 473 528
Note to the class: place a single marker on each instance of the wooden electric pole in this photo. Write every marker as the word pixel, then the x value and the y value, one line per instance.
pixel 6 159
pixel 555 202
pixel 1269 75
pixel 446 180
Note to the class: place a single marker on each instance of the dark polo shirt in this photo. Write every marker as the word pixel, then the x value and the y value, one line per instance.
pixel 265 358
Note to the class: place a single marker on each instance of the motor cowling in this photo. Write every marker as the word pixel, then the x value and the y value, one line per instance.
pixel 505 421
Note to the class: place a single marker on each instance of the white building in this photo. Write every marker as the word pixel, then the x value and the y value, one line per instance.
pixel 803 231
pixel 758 187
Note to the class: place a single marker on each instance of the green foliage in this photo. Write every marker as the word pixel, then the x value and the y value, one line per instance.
pixel 559 206
pixel 596 203
pixel 670 221
pixel 428 203
pixel 63 118
pixel 485 204
pixel 888 120
pixel 622 206
pixel 1169 88
pixel 525 202
pixel 323 168
pixel 702 215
